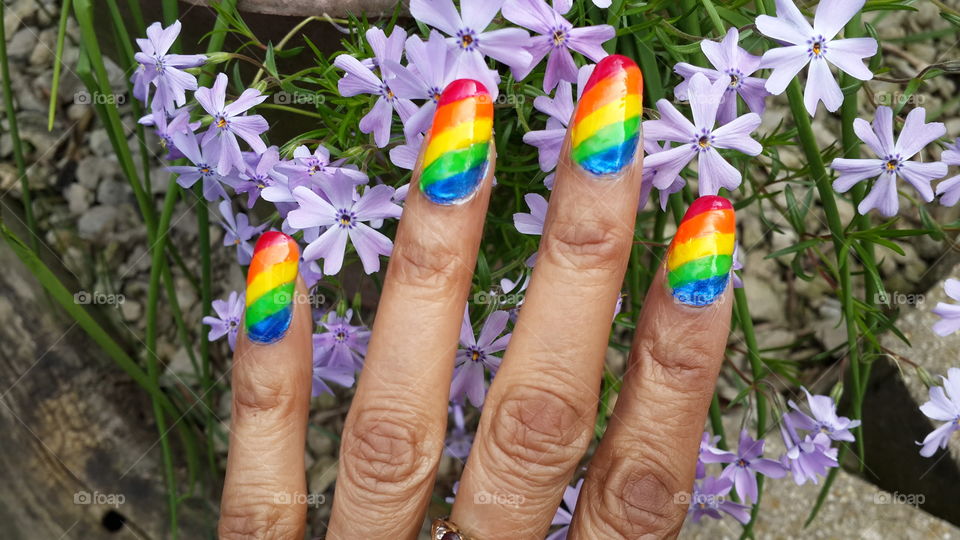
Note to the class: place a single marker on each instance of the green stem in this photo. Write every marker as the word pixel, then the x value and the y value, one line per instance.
pixel 58 63
pixel 851 150
pixel 757 370
pixel 15 139
pixel 153 364
pixel 825 189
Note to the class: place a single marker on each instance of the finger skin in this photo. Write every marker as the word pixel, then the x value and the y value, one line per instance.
pixel 638 479
pixel 539 413
pixel 265 489
pixel 394 433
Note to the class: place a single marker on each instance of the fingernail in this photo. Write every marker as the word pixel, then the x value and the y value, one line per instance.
pixel 606 127
pixel 271 281
pixel 455 161
pixel 701 254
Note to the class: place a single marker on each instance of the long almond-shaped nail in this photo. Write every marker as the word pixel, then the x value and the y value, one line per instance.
pixel 271 280
pixel 701 254
pixel 606 127
pixel 455 161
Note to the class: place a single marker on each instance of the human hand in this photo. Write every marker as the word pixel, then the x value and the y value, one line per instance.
pixel 539 414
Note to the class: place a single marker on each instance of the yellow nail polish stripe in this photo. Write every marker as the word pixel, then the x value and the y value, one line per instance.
pixel 279 274
pixel 701 246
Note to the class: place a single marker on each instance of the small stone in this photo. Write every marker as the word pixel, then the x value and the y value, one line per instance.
pixel 96 222
pixel 132 311
pixel 78 198
pixel 319 443
pixel 113 193
pixel 99 141
pixel 22 43
pixel 42 53
pixel 322 474
pixel 91 170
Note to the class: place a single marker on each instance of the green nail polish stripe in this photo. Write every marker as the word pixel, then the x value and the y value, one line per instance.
pixel 455 162
pixel 702 268
pixel 275 300
pixel 612 135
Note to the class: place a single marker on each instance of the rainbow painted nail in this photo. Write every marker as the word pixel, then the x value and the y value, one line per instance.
pixel 455 161
pixel 701 254
pixel 606 127
pixel 271 280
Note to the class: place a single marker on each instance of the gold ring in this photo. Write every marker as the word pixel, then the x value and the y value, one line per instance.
pixel 444 529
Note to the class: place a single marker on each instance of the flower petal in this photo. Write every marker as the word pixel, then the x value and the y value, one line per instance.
pixel 833 15
pixel 821 86
pixel 786 63
pixel 919 175
pixel 736 135
pixel 883 197
pixel 440 14
pixel 716 173
pixel 848 55
pixel 370 244
pixel 853 171
pixel 916 134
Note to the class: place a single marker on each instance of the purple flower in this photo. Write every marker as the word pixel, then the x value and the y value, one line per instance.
pixel 556 38
pixel 405 155
pixel 427 73
pixel 203 167
pixel 950 188
pixel 258 173
pixel 709 453
pixel 470 39
pixel 360 79
pixel 229 122
pixel 815 46
pixel 227 322
pixel 337 352
pixel 459 443
pixel 709 498
pixel 824 420
pixel 646 186
pixel 166 127
pixel 310 272
pixel 564 515
pixel 944 406
pixel 699 140
pixel 893 160
pixel 316 170
pixel 734 65
pixel 743 469
pixel 385 49
pixel 343 214
pixel 342 344
pixel 808 457
pixel 559 110
pixel 532 223
pixel 165 71
pixel 949 313
pixel 476 354
pixel 238 231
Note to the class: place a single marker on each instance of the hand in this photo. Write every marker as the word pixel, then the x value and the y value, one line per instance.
pixel 539 413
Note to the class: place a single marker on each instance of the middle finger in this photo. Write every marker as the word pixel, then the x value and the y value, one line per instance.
pixel 539 414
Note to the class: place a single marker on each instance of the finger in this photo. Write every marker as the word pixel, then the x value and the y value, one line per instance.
pixel 394 434
pixel 265 489
pixel 538 416
pixel 648 454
